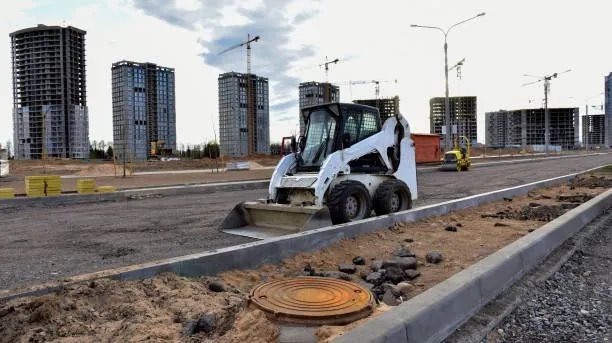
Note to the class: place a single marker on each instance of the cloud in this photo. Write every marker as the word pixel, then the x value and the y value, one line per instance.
pixel 272 56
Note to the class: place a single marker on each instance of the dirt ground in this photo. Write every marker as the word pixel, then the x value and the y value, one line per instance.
pixel 162 308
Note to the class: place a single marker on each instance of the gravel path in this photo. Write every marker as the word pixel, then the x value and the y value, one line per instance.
pixel 573 305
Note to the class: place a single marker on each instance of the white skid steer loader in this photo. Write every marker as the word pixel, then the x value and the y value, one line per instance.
pixel 346 166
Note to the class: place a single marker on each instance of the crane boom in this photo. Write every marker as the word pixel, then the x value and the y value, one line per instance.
pixel 248 45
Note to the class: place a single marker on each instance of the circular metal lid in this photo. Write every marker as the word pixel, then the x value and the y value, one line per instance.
pixel 313 300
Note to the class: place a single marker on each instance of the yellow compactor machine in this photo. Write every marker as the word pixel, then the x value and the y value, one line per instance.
pixel 459 157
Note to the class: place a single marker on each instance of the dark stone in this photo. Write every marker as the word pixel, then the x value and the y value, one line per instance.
pixel 531 230
pixel 218 286
pixel 401 262
pixel 411 274
pixel 382 271
pixel 374 278
pixel 336 275
pixel 508 199
pixel 433 257
pixel 403 252
pixel 451 228
pixel 459 225
pixel 408 240
pixel 308 269
pixel 390 299
pixel 376 265
pixel 347 268
pixel 93 284
pixel 395 275
pixel 304 274
pixel 500 224
pixel 206 323
pixel 534 204
pixel 359 260
pixel 190 327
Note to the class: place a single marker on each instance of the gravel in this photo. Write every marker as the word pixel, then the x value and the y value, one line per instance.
pixel 573 305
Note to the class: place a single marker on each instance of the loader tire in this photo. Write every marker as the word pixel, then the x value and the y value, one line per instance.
pixel 349 201
pixel 392 196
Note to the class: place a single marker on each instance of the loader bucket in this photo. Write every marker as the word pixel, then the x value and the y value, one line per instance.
pixel 260 220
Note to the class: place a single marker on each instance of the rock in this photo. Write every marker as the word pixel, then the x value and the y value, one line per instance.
pixel 534 204
pixel 206 323
pixel 363 274
pixel 508 199
pixel 390 299
pixel 500 224
pixel 302 274
pixel 336 275
pixel 376 265
pixel 411 274
pixel 403 252
pixel 408 240
pixel 433 257
pixel 394 275
pixel 190 327
pixel 308 269
pixel 382 271
pixel 531 230
pixel 374 278
pixel 359 260
pixel 451 228
pixel 405 288
pixel 459 225
pixel 218 286
pixel 587 273
pixel 347 268
pixel 584 312
pixel 401 263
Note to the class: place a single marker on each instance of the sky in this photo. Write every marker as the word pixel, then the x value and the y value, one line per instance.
pixel 372 39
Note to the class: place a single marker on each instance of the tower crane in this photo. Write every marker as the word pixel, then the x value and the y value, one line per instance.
pixel 375 82
pixel 250 93
pixel 458 67
pixel 326 65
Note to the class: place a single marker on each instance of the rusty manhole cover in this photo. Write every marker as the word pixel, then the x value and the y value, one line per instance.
pixel 313 300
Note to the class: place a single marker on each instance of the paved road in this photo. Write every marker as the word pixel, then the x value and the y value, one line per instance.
pixel 39 245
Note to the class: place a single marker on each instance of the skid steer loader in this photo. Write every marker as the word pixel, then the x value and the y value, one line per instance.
pixel 345 166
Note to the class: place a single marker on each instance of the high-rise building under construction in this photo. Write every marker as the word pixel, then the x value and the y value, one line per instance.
pixel 462 117
pixel 608 110
pixel 387 107
pixel 315 93
pixel 144 110
pixel 50 116
pixel 244 115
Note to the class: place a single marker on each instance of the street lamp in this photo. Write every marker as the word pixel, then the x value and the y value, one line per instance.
pixel 447 136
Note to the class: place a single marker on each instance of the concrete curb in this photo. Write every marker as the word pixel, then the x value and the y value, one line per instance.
pixel 436 313
pixel 256 254
pixel 70 199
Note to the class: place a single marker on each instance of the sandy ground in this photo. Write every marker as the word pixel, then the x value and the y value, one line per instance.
pixel 159 309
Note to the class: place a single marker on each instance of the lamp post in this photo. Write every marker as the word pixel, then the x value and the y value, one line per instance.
pixel 447 136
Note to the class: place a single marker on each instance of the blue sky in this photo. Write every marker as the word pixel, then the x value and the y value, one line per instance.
pixel 374 38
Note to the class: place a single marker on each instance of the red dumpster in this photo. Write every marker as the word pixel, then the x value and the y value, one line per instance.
pixel 427 147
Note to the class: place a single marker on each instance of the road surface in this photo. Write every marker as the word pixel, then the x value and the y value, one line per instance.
pixel 38 245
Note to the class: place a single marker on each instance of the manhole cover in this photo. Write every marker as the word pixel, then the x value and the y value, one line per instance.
pixel 313 300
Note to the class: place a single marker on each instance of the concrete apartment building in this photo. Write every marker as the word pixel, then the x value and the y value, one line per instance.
pixel 244 114
pixel 593 130
pixel 608 110
pixel 388 107
pixel 315 93
pixel 525 127
pixel 144 110
pixel 50 116
pixel 462 114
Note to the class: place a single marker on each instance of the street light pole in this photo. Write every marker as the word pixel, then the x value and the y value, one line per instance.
pixel 447 119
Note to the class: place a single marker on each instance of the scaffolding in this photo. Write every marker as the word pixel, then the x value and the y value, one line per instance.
pixel 387 107
pixel 462 116
pixel 49 93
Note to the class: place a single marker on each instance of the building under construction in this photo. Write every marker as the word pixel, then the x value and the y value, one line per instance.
pixel 50 116
pixel 244 115
pixel 462 116
pixel 144 111
pixel 315 93
pixel 525 127
pixel 608 110
pixel 593 130
pixel 388 107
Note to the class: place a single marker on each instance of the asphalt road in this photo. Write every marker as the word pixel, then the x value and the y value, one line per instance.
pixel 38 245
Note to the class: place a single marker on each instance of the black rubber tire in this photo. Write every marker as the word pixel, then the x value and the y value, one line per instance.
pixel 383 199
pixel 337 201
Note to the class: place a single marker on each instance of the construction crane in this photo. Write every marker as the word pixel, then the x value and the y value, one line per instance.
pixel 326 65
pixel 546 79
pixel 375 82
pixel 458 67
pixel 250 93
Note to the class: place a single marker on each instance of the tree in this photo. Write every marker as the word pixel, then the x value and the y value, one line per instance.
pixel 9 146
pixel 109 152
pixel 211 150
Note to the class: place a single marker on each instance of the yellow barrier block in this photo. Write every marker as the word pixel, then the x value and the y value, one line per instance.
pixel 86 186
pixel 106 189
pixel 53 185
pixel 7 193
pixel 35 186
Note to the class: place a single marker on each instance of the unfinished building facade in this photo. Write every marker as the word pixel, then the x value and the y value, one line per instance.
pixel 244 115
pixel 315 93
pixel 608 110
pixel 144 111
pixel 593 130
pixel 525 127
pixel 462 115
pixel 388 107
pixel 50 116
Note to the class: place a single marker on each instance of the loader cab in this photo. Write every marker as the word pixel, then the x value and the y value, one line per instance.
pixel 332 127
